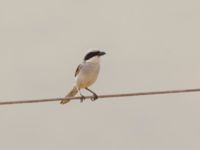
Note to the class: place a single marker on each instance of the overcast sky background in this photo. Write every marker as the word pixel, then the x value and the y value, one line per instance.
pixel 150 45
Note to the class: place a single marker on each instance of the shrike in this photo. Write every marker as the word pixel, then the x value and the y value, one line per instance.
pixel 86 74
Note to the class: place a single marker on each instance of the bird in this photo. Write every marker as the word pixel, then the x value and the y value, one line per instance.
pixel 85 75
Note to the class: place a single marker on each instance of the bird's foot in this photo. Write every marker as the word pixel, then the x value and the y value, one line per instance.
pixel 82 98
pixel 95 97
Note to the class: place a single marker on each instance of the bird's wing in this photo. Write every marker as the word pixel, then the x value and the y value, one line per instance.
pixel 78 69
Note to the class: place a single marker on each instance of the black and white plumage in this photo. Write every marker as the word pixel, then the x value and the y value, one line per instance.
pixel 86 74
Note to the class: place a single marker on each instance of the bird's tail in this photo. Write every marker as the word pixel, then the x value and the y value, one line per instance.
pixel 72 93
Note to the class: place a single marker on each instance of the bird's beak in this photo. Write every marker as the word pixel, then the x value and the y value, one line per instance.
pixel 102 53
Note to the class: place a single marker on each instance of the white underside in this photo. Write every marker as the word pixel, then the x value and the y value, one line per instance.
pixel 88 73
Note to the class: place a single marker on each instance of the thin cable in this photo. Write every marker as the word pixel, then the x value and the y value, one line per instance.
pixel 101 96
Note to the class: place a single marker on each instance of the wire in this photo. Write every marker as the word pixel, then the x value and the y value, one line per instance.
pixel 101 96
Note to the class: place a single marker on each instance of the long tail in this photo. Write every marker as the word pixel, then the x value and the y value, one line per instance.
pixel 72 93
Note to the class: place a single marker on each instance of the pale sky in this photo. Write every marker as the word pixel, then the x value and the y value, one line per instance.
pixel 150 45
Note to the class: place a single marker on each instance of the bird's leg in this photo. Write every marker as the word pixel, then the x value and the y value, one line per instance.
pixel 82 96
pixel 94 94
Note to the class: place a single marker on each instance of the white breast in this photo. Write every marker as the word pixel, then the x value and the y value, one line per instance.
pixel 87 75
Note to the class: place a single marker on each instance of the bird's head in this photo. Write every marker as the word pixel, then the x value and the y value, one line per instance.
pixel 93 56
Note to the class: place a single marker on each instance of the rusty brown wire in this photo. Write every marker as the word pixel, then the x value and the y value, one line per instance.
pixel 101 96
